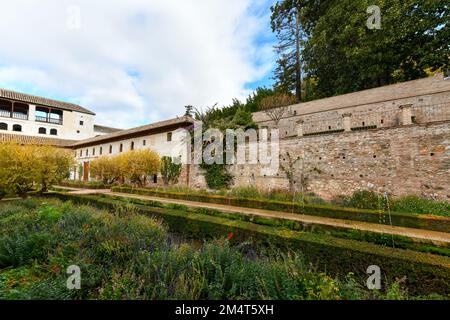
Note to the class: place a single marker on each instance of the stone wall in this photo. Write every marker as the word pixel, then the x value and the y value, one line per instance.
pixel 401 160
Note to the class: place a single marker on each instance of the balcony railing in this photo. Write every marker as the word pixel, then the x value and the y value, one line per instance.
pixel 49 120
pixel 18 115
pixel 15 115
pixel 4 113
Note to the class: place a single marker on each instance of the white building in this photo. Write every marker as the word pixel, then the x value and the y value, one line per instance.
pixel 167 138
pixel 26 115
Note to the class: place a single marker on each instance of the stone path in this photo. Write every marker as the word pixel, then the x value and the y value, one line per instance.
pixel 416 234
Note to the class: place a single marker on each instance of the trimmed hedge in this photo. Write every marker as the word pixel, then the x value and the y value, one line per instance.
pixel 425 273
pixel 84 185
pixel 340 232
pixel 409 220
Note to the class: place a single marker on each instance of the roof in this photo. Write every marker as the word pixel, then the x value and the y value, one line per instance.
pixel 24 139
pixel 104 129
pixel 156 127
pixel 9 94
pixel 429 85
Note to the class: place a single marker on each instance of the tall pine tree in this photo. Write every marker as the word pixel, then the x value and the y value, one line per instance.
pixel 286 23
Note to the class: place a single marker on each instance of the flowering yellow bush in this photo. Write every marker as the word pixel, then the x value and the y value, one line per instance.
pixel 134 166
pixel 27 167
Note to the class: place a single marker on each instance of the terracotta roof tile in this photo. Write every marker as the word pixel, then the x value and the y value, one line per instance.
pixel 13 95
pixel 24 139
pixel 142 130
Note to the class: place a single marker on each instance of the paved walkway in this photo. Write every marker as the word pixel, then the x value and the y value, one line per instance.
pixel 417 234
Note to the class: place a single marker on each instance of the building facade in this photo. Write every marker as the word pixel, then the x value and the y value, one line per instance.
pixel 167 138
pixel 26 115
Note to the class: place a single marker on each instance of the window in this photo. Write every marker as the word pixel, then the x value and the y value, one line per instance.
pixel 3 126
pixel 81 122
pixel 110 149
pixel 42 130
pixel 144 143
pixel 53 132
pixel 93 151
pixel 81 153
pixel 169 136
pixel 87 152
pixel 101 150
pixel 132 145
pixel 17 128
pixel 121 148
pixel 155 178
pixel 78 131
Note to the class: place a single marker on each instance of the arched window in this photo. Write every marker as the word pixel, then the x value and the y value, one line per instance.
pixel 53 132
pixel 93 151
pixel 17 128
pixel 3 126
pixel 110 148
pixel 132 145
pixel 121 148
pixel 101 150
pixel 42 130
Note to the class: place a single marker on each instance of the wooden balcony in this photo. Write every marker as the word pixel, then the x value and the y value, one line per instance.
pixel 14 115
pixel 49 120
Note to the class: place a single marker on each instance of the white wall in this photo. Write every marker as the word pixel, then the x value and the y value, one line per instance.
pixel 69 130
pixel 156 142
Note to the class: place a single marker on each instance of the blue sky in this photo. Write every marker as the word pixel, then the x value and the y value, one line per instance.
pixel 137 61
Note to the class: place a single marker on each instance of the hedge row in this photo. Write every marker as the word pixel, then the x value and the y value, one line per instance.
pixel 340 232
pixel 409 220
pixel 425 273
pixel 84 184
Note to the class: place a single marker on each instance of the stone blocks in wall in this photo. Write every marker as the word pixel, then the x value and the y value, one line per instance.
pixel 402 161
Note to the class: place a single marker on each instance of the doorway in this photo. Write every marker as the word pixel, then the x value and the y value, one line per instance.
pixel 86 171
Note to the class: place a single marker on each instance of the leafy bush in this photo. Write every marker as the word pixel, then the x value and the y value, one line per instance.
pixel 421 205
pixel 217 175
pixel 407 204
pixel 106 169
pixel 23 168
pixel 170 171
pixel 366 200
pixel 134 165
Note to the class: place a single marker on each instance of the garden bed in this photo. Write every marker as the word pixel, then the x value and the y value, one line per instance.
pixel 409 220
pixel 403 242
pixel 425 273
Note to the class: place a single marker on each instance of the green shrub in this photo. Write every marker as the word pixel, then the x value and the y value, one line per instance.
pixel 216 175
pixel 421 206
pixel 366 200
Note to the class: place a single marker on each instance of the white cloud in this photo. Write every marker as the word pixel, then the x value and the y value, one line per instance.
pixel 134 61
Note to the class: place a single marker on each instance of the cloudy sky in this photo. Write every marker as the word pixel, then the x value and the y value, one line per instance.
pixel 136 61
